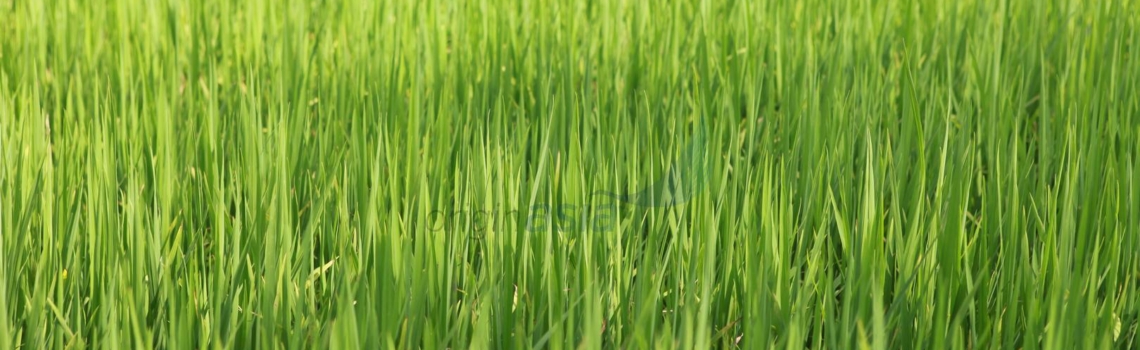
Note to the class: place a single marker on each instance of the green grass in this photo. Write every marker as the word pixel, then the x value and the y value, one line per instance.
pixel 270 174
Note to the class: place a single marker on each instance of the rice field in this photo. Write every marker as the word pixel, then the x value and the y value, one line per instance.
pixel 557 174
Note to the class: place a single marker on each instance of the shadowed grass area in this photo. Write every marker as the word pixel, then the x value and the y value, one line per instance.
pixel 905 174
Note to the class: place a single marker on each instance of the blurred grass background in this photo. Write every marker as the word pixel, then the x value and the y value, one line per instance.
pixel 900 174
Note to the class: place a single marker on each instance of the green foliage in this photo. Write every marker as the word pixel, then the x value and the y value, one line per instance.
pixel 903 174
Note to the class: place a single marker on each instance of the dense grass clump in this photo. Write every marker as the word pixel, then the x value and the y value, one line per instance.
pixel 559 174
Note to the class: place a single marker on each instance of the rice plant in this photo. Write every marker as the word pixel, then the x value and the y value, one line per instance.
pixel 556 174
